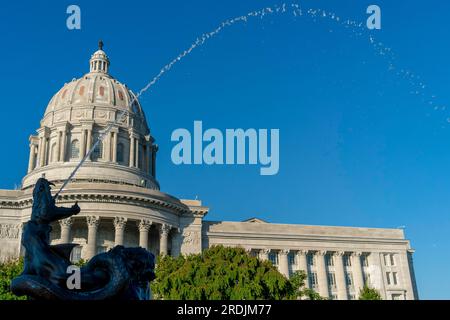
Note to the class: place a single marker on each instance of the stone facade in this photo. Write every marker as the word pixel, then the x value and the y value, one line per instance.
pixel 121 203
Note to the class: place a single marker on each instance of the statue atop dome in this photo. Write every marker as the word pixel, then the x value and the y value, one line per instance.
pixel 100 45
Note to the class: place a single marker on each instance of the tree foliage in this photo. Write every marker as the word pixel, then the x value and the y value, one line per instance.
pixel 220 273
pixel 367 293
pixel 8 271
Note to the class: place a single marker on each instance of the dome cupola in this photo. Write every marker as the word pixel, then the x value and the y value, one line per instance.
pixel 99 61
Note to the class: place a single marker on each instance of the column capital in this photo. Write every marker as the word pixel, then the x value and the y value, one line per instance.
pixel 339 253
pixel 248 249
pixel 44 132
pixel 93 221
pixel 265 251
pixel 284 252
pixel 133 134
pixel 87 124
pixel 321 252
pixel 120 222
pixel 62 127
pixel 144 225
pixel 66 222
pixel 357 254
pixel 302 252
pixel 165 229
pixel 114 128
pixel 34 140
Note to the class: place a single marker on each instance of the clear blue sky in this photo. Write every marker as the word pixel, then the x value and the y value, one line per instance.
pixel 357 148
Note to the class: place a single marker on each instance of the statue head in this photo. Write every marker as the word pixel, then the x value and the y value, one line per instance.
pixel 42 198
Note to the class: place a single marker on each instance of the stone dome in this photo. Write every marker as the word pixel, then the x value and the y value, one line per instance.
pixel 97 89
pixel 74 119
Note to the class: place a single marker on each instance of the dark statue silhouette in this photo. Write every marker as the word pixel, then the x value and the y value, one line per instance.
pixel 120 274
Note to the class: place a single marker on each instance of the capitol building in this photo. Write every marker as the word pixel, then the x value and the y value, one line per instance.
pixel 121 202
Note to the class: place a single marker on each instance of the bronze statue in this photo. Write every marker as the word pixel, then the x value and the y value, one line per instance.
pixel 121 273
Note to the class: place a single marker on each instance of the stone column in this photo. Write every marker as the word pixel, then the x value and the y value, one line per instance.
pixel 322 277
pixel 264 254
pixel 83 143
pixel 66 225
pixel 155 149
pixel 137 153
pixel 89 140
pixel 119 225
pixel 62 151
pixel 32 158
pixel 108 147
pixel 114 146
pixel 144 227
pixel 40 147
pixel 147 156
pixel 302 264
pixel 284 263
pixel 341 284
pixel 132 152
pixel 357 272
pixel 163 238
pixel 150 159
pixel 91 249
pixel 58 146
pixel 42 150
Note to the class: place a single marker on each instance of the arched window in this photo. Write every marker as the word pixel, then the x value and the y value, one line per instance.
pixel 98 151
pixel 120 153
pixel 75 149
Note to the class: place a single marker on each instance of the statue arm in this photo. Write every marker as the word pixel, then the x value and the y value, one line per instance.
pixel 59 213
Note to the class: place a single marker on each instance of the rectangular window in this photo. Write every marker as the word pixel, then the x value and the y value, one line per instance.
pixel 76 254
pixel 311 259
pixel 365 261
pixel 392 259
pixel 352 297
pixel 347 261
pixel 386 260
pixel 291 259
pixel 273 257
pixel 329 260
pixel 331 279
pixel 394 278
pixel 388 278
pixel 313 280
pixel 349 279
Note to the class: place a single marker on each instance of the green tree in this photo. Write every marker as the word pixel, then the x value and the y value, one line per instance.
pixel 367 293
pixel 220 273
pixel 8 271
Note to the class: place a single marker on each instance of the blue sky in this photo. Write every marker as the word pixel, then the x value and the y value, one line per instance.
pixel 356 147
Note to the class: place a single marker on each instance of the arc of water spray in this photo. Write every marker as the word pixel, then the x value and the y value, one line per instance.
pixel 198 42
pixel 296 11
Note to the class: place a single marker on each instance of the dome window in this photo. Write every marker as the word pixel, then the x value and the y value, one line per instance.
pixel 120 157
pixel 101 91
pixel 81 92
pixel 75 149
pixel 120 95
pixel 98 151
